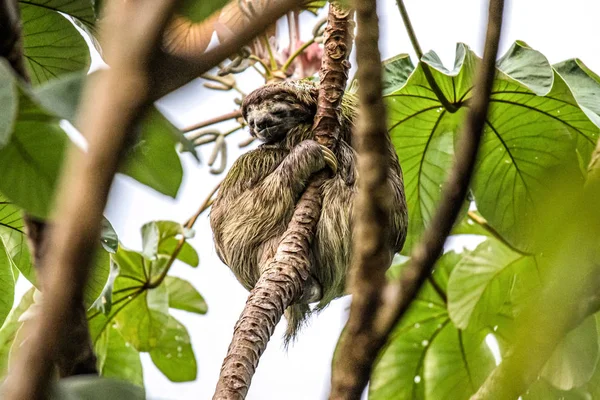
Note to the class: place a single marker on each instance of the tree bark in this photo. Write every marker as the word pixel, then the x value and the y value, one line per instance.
pixel 377 306
pixel 78 357
pixel 287 277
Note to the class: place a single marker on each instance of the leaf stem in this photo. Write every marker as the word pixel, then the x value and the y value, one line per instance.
pixel 450 107
pixel 298 51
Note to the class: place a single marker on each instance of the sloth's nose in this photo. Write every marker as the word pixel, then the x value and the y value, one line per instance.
pixel 262 122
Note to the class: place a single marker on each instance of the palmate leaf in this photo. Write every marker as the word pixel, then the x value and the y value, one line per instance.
pixel 52 45
pixel 174 356
pixel 426 356
pixel 534 125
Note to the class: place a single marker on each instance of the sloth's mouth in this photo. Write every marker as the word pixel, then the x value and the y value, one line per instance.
pixel 269 133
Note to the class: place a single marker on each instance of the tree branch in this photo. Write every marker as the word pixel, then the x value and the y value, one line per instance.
pixel 287 278
pixel 173 72
pixel 387 303
pixel 212 121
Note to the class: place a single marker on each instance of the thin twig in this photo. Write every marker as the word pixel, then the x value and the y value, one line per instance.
pixel 360 351
pixel 448 106
pixel 225 117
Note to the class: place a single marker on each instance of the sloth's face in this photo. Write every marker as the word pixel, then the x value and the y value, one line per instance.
pixel 271 119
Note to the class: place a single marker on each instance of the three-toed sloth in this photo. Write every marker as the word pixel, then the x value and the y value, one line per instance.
pixel 257 198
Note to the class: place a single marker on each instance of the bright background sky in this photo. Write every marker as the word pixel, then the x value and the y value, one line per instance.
pixel 559 29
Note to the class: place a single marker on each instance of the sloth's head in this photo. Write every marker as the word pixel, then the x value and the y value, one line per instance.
pixel 275 109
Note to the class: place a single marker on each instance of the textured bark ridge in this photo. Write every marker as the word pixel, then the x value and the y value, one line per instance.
pixel 77 356
pixel 287 278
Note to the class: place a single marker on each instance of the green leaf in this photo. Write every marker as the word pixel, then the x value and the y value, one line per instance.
pixel 483 281
pixel 95 284
pixel 9 329
pixel 396 71
pixel 108 237
pixel 13 238
pixel 118 359
pixel 574 360
pixel 527 136
pixel 197 11
pixel 183 296
pixel 144 321
pixel 154 233
pixel 9 98
pixel 153 161
pixel 187 254
pixel 426 356
pixel 88 387
pixel 174 356
pixel 52 46
pixel 542 390
pixel 31 161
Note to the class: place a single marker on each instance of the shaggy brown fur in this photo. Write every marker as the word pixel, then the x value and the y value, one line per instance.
pixel 257 198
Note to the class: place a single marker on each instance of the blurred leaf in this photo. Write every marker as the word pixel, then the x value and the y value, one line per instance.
pixel 9 98
pixel 527 136
pixel 61 96
pixel 9 329
pixel 118 359
pixel 153 161
pixel 52 45
pixel 174 355
pixel 32 159
pixel 183 296
pixel 426 356
pixel 89 387
pixel 542 390
pixel 483 281
pixel 574 360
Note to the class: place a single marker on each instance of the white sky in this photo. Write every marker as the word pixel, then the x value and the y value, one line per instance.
pixel 558 29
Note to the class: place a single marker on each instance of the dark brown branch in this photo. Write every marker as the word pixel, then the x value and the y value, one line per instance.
pixel 371 252
pixel 287 278
pixel 78 356
pixel 212 121
pixel 361 350
pixel 110 110
pixel 448 106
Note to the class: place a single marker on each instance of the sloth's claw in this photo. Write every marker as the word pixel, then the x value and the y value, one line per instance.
pixel 330 158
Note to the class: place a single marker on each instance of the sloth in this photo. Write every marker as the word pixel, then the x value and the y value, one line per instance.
pixel 257 198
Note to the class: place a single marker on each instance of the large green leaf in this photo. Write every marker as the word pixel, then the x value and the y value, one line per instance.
pixel 174 356
pixel 534 126
pixel 52 45
pixel 396 71
pixel 9 329
pixel 183 296
pixel 482 284
pixel 583 81
pixel 427 357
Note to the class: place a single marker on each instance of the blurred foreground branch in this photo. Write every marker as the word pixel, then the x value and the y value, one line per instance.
pixel 377 307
